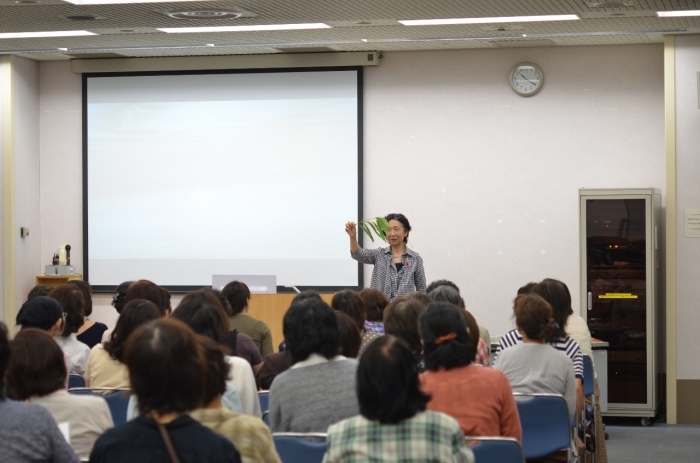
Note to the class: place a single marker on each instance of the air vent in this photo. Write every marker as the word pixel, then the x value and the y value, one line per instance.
pixel 501 28
pixel 82 17
pixel 205 14
pixel 94 55
pixel 305 49
pixel 610 4
pixel 523 43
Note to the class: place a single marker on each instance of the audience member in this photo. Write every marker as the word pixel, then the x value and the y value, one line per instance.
pixel 351 303
pixel 318 390
pixel 349 337
pixel 36 373
pixel 437 283
pixel 393 425
pixel 375 302
pixel 106 366
pixel 421 297
pixel 273 365
pixel 238 295
pixel 144 289
pixel 479 398
pixel 39 290
pixel 28 431
pixel 249 435
pixel 401 320
pixel 166 370
pixel 71 300
pixel 90 332
pixel 118 304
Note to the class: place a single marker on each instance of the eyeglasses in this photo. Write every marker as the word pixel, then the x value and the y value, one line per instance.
pixel 64 315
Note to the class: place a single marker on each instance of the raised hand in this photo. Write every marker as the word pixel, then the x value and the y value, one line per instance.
pixel 351 229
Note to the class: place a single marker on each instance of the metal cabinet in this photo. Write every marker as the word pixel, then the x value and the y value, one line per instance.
pixel 620 297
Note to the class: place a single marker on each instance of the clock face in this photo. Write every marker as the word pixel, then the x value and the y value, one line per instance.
pixel 526 79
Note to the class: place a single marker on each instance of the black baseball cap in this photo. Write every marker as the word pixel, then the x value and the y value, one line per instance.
pixel 40 312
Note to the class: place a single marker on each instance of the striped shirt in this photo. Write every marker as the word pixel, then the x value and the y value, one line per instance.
pixel 386 278
pixel 566 345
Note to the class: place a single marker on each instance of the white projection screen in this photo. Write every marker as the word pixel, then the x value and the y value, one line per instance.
pixel 187 175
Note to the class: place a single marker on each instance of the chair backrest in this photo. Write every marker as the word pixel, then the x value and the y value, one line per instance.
pixel 588 376
pixel 117 400
pixel 545 423
pixel 295 447
pixel 496 450
pixel 264 397
pixel 75 381
pixel 266 417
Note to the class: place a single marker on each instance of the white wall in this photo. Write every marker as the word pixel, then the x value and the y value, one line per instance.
pixel 688 197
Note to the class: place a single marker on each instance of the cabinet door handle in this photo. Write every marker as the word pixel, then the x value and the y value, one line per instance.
pixel 590 300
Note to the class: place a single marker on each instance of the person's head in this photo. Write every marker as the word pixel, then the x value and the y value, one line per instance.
pixel 216 369
pixel 165 367
pixel 375 303
pixel 557 295
pixel 533 317
pixel 526 288
pixel 4 357
pixel 36 366
pixel 86 289
pixel 118 301
pixel 310 327
pixel 39 290
pixel 401 320
pixel 41 312
pixel 437 283
pixel 134 314
pixel 237 294
pixel 446 343
pixel 387 382
pixel 166 300
pixel 472 325
pixel 71 299
pixel 144 289
pixel 349 338
pixel 224 302
pixel 419 296
pixel 398 229
pixel 351 303
pixel 308 294
pixel 446 294
pixel 202 312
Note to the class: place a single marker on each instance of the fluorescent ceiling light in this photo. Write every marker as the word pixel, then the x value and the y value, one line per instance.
pixel 22 35
pixel 499 19
pixel 260 27
pixel 115 2
pixel 677 14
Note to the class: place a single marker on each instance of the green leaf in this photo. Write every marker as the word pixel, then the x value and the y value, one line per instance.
pixel 383 224
pixel 374 227
pixel 363 226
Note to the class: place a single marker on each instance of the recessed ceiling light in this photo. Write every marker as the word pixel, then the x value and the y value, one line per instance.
pixel 209 44
pixel 22 35
pixel 204 14
pixel 677 14
pixel 499 19
pixel 62 49
pixel 364 40
pixel 261 27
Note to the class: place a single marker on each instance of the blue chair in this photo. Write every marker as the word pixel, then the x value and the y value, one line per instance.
pixel 117 400
pixel 545 422
pixel 496 450
pixel 75 381
pixel 295 447
pixel 264 397
pixel 266 417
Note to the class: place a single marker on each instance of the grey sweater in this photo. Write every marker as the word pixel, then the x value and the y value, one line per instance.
pixel 311 398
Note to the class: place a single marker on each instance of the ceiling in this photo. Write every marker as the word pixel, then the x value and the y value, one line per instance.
pixel 129 30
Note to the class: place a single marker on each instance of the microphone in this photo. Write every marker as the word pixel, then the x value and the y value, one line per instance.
pixel 67 254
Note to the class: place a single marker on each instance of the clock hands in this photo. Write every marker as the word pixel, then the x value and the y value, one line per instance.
pixel 527 79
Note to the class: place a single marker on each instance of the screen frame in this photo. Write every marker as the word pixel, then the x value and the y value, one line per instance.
pixel 180 289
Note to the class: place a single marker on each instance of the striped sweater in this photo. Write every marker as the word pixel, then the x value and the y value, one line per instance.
pixel 566 345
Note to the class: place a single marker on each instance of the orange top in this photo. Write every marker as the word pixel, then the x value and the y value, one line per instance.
pixel 479 398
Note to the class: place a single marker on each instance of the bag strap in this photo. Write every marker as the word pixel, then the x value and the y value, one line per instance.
pixel 168 443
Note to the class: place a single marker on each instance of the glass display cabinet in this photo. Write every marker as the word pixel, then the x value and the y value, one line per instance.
pixel 620 296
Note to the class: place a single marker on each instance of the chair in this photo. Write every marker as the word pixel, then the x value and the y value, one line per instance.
pixel 117 400
pixel 496 450
pixel 75 381
pixel 264 397
pixel 266 417
pixel 589 391
pixel 545 422
pixel 295 447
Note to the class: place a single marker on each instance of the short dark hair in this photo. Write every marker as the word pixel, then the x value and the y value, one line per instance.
pixel 533 315
pixel 223 301
pixel 375 302
pixel 40 312
pixel 71 299
pixel 237 294
pixel 201 311
pixel 437 283
pixel 440 320
pixel 351 303
pixel 420 297
pixel 166 300
pixel 144 289
pixel 404 221
pixel 135 313
pixel 527 288
pixel 349 338
pixel 310 327
pixel 387 382
pixel 36 365
pixel 557 295
pixel 307 294
pixel 39 290
pixel 118 301
pixel 165 352
pixel 401 320
pixel 216 369
pixel 446 293
pixel 85 287
pixel 4 357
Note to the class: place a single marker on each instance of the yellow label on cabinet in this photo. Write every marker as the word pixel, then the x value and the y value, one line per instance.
pixel 618 296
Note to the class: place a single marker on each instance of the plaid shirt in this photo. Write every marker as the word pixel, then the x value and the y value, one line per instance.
pixel 386 278
pixel 427 437
pixel 482 354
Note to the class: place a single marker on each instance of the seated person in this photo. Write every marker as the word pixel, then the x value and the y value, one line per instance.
pixel 166 370
pixel 351 303
pixel 393 425
pixel 28 431
pixel 479 398
pixel 144 289
pixel 39 290
pixel 36 373
pixel 349 339
pixel 238 295
pixel 249 435
pixel 106 367
pixel 401 320
pixel 319 389
pixel 90 332
pixel 118 304
pixel 71 300
pixel 375 302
